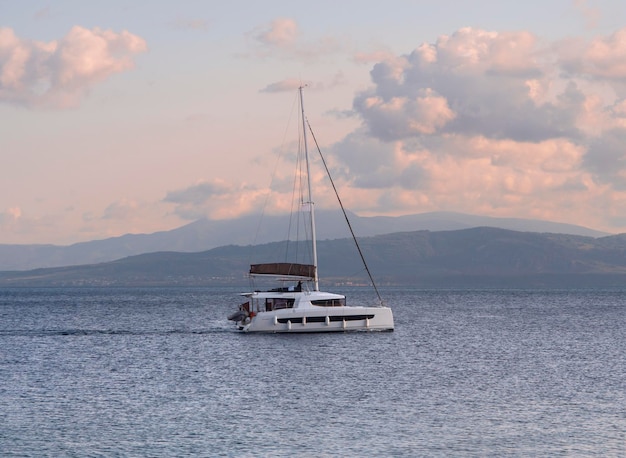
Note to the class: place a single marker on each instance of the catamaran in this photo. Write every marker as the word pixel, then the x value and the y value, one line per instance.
pixel 298 305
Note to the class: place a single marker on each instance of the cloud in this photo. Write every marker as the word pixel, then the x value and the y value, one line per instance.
pixel 292 84
pixel 287 85
pixel 373 56
pixel 10 215
pixel 122 210
pixel 476 82
pixel 476 51
pixel 606 158
pixel 281 32
pixel 198 194
pixel 602 58
pixel 57 74
pixel 16 225
pixel 215 199
pixel 400 117
pixel 281 38
pixel 369 163
pixel 591 15
pixel 494 123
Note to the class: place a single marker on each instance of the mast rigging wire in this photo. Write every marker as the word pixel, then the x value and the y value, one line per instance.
pixel 345 215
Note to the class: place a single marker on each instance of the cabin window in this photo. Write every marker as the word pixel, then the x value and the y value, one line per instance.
pixel 278 303
pixel 330 302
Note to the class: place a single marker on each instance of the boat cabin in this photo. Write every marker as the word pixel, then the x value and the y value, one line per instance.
pixel 284 298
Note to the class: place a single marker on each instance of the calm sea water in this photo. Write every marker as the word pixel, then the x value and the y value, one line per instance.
pixel 161 372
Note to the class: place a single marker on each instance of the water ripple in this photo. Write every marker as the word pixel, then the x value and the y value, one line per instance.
pixel 163 373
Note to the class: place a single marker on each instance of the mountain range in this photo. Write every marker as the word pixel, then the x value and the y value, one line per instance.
pixel 204 235
pixel 477 257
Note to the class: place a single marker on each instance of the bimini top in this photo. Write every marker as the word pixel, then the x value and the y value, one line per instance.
pixel 284 269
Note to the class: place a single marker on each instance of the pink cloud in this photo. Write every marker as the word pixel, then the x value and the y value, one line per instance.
pixel 501 123
pixel 403 116
pixel 281 38
pixel 10 215
pixel 468 48
pixel 603 57
pixel 58 73
pixel 281 32
pixel 489 122
pixel 591 15
pixel 374 56
pixel 606 56
pixel 290 84
pixel 214 199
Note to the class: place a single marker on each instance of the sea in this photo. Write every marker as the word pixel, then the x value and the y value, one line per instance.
pixel 161 372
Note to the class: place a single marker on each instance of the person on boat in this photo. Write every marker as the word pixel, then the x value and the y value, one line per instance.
pixel 296 288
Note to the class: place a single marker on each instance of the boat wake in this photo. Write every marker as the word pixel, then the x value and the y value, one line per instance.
pixel 110 332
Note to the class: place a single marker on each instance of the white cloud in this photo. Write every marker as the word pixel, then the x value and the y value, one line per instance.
pixel 478 51
pixel 58 73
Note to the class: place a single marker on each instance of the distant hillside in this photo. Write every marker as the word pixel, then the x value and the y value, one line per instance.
pixel 478 257
pixel 204 235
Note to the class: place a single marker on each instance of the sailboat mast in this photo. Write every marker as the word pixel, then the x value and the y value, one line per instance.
pixel 310 202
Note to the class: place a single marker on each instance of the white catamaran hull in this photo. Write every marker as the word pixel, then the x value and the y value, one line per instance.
pixel 325 319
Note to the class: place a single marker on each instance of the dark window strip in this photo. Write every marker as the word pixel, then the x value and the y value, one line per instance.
pixel 322 319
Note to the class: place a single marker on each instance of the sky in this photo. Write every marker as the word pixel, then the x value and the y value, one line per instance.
pixel 136 117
